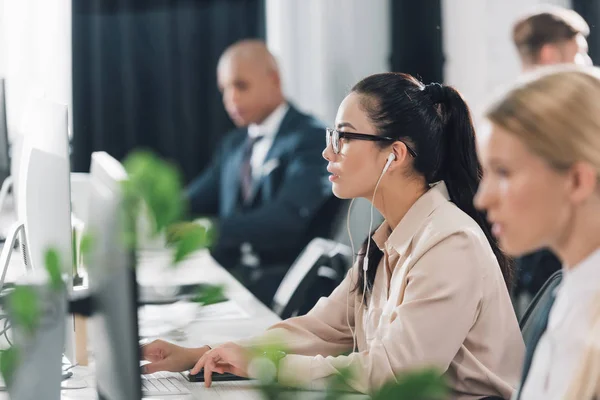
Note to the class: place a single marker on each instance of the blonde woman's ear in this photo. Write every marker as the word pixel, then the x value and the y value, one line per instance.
pixel 584 181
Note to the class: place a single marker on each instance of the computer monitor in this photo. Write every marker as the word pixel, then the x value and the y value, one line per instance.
pixel 44 198
pixel 4 143
pixel 113 287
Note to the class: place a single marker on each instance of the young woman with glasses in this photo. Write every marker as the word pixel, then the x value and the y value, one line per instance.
pixel 429 287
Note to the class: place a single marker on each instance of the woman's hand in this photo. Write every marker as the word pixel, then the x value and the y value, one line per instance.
pixel 228 358
pixel 165 356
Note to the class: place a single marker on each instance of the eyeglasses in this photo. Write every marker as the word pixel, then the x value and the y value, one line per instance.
pixel 333 136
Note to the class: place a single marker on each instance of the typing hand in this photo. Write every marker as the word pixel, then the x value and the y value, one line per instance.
pixel 165 356
pixel 228 358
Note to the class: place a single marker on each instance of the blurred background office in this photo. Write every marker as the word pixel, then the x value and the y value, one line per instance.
pixel 142 73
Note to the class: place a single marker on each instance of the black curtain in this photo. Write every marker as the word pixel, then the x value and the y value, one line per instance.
pixel 417 39
pixel 144 76
pixel 590 11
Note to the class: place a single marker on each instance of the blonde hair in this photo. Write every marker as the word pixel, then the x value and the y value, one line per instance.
pixel 555 112
pixel 586 384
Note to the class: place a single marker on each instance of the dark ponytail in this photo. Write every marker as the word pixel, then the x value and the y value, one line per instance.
pixel 461 170
pixel 436 122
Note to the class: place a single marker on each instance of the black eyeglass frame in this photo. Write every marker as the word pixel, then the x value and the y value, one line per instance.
pixel 329 132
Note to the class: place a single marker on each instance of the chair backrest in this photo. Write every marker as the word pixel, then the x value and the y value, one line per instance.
pixel 537 306
pixel 316 272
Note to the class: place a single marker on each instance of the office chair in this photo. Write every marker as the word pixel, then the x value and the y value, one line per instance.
pixel 537 306
pixel 320 267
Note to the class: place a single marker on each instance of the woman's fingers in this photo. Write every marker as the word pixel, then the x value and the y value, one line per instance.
pixel 209 362
pixel 199 364
pixel 226 359
pixel 208 370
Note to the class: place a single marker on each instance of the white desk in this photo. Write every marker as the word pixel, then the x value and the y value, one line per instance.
pixel 201 267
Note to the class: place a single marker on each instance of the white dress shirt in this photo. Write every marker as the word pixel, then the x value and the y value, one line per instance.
pixel 268 130
pixel 560 351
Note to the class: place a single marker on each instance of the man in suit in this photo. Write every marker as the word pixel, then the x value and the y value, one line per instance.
pixel 267 185
pixel 548 35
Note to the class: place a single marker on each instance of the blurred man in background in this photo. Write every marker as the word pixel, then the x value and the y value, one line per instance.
pixel 550 35
pixel 267 184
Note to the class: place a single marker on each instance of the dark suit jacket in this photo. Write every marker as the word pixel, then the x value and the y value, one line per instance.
pixel 289 199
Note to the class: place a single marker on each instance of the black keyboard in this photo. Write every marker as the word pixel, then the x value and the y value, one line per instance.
pixel 216 377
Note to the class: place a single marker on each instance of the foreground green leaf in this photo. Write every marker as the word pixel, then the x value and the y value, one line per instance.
pixel 25 308
pixel 74 249
pixel 9 360
pixel 53 267
pixel 158 185
pixel 211 294
pixel 425 384
pixel 186 238
pixel 85 246
pixel 338 384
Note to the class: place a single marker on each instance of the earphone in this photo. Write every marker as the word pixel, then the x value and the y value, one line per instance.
pixel 391 158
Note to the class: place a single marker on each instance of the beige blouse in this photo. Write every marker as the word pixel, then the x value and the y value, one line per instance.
pixel 439 299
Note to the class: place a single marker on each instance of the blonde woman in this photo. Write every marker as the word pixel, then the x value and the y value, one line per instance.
pixel 541 189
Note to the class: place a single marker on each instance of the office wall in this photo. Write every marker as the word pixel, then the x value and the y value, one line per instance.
pixel 478 49
pixel 35 53
pixel 324 47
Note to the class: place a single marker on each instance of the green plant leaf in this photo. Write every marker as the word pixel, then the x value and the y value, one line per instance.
pixel 25 307
pixel 158 185
pixel 74 249
pixel 211 294
pixel 337 383
pixel 85 246
pixel 426 384
pixel 186 237
pixel 128 216
pixel 52 260
pixel 9 361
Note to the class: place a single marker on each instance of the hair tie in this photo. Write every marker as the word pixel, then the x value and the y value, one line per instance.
pixel 436 92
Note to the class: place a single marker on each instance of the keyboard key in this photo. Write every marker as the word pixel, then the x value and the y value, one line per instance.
pixel 163 383
pixel 170 387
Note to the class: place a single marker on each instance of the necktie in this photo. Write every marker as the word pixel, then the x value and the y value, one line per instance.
pixel 246 170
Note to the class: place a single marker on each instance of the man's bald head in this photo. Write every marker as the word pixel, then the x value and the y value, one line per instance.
pixel 249 80
pixel 251 51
